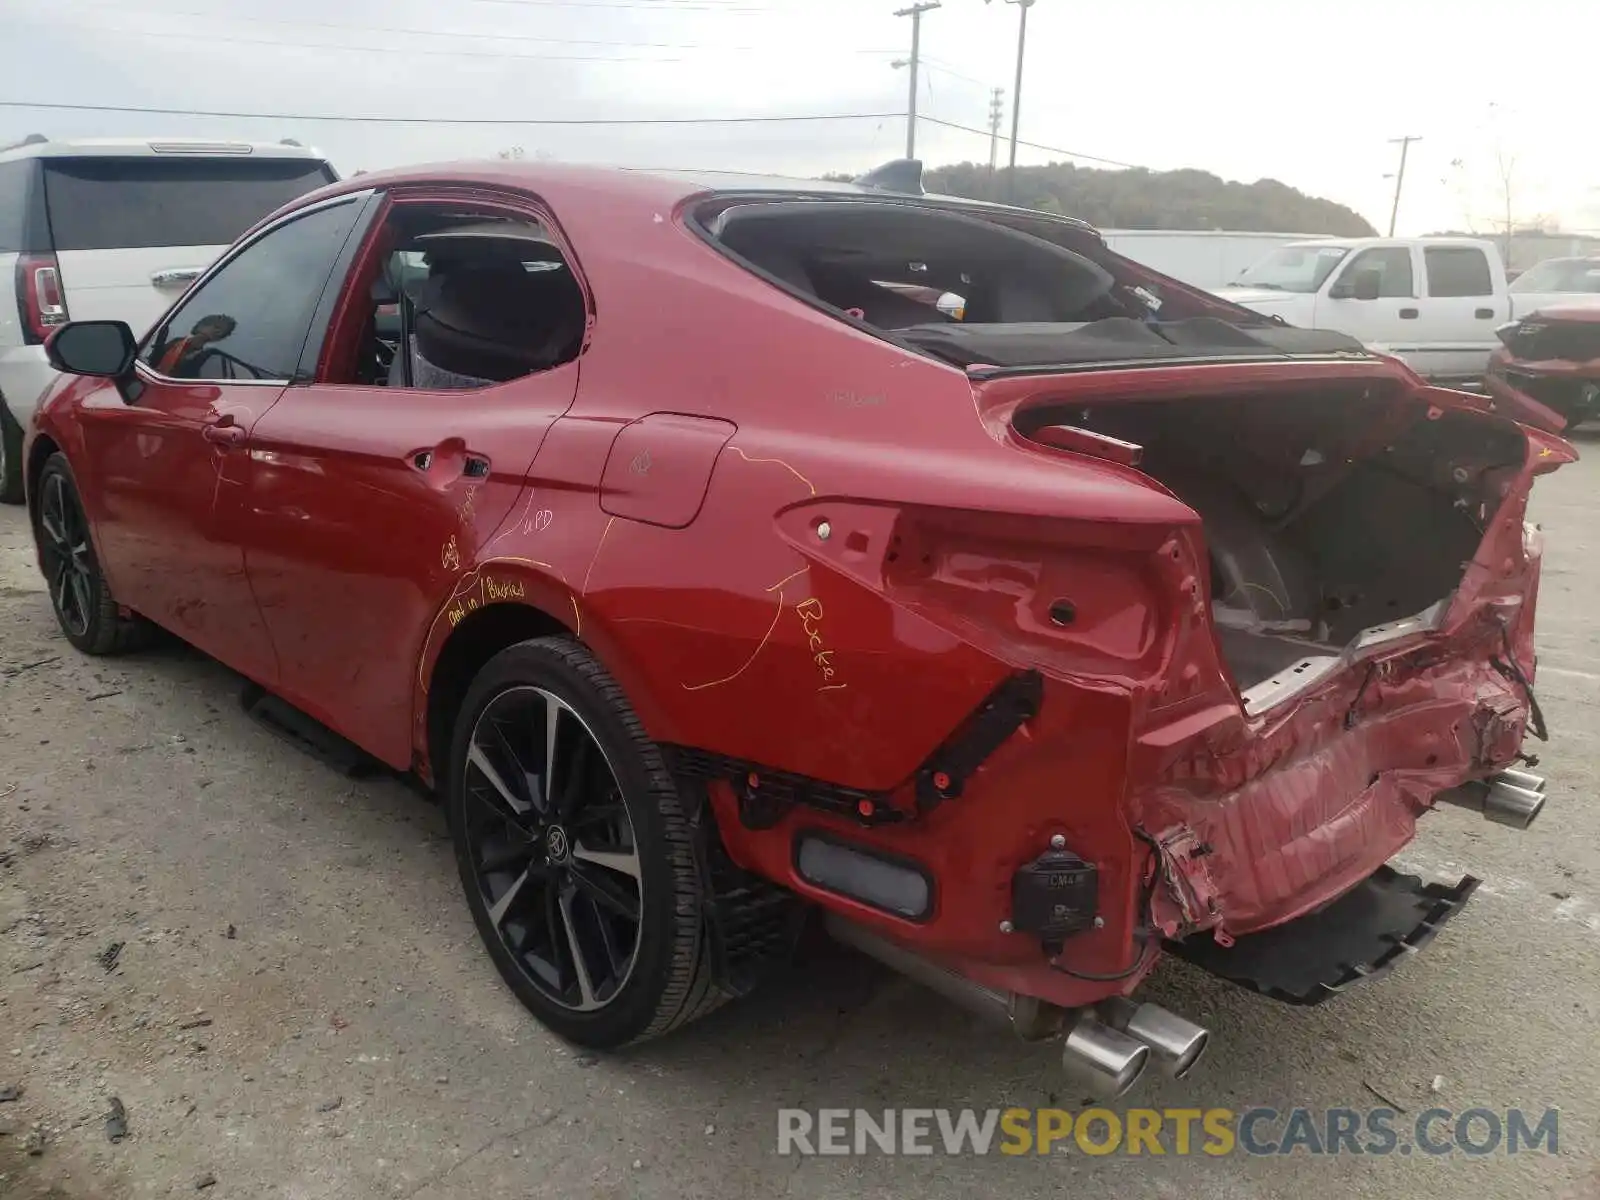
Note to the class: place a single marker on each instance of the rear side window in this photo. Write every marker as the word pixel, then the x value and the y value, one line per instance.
pixel 1457 271
pixel 22 225
pixel 129 203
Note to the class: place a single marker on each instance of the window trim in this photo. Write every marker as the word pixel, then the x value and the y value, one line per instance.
pixel 150 375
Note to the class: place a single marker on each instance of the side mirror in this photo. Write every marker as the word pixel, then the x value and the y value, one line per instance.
pixel 1360 285
pixel 103 349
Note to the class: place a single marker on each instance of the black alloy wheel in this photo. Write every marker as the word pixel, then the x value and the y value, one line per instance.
pixel 574 852
pixel 84 606
pixel 65 556
pixel 555 855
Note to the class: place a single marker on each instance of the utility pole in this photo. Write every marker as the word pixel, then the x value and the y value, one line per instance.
pixel 997 109
pixel 1016 95
pixel 1400 176
pixel 915 13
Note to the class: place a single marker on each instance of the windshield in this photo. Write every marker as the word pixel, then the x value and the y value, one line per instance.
pixel 1561 275
pixel 1294 268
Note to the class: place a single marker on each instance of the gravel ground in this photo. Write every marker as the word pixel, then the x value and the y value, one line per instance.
pixel 270 967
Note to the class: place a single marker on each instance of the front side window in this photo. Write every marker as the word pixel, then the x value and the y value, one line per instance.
pixel 1393 267
pixel 250 319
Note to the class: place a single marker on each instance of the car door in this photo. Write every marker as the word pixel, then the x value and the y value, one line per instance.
pixel 370 501
pixel 166 456
pixel 1388 321
pixel 1460 312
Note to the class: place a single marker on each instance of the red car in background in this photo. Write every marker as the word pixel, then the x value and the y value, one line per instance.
pixel 712 575
pixel 1551 358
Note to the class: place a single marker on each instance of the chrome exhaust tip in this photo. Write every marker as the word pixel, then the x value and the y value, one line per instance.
pixel 1105 1061
pixel 1521 779
pixel 1501 798
pixel 1177 1042
pixel 1516 807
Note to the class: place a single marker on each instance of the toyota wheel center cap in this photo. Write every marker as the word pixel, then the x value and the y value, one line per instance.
pixel 556 844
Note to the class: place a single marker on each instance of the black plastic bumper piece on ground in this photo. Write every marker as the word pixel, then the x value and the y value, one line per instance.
pixel 307 734
pixel 1361 935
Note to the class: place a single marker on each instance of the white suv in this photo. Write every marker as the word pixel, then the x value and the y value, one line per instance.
pixel 118 228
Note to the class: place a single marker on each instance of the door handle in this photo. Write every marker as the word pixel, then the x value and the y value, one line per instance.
pixel 473 466
pixel 224 431
pixel 175 276
pixel 1484 314
pixel 1408 314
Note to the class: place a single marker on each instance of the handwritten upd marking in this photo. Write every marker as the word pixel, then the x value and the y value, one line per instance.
pixel 641 463
pixel 810 614
pixel 450 556
pixel 541 520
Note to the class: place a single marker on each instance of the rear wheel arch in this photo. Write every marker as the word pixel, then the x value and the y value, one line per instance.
pixel 485 631
pixel 470 645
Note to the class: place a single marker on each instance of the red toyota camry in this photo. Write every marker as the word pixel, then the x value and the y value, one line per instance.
pixel 722 550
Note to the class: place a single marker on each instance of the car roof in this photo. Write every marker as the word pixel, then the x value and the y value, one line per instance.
pixel 155 148
pixel 664 187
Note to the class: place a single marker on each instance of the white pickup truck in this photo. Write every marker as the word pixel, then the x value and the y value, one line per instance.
pixel 1434 302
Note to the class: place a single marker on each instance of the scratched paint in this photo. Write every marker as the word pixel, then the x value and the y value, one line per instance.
pixel 777 616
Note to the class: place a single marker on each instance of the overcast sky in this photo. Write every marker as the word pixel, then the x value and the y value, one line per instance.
pixel 1308 93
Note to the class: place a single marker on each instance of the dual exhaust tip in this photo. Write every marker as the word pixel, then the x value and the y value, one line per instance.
pixel 1108 1048
pixel 1512 798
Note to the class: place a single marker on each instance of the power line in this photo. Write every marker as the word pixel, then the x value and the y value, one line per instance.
pixel 496 36
pixel 636 5
pixel 371 120
pixel 944 69
pixel 1110 162
pixel 345 47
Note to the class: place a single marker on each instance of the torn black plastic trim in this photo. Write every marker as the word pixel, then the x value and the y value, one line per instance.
pixel 1362 935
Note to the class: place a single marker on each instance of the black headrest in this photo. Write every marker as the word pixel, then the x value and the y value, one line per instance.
pixel 497 320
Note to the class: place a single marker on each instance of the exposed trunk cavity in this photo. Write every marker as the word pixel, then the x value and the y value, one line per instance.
pixel 1335 517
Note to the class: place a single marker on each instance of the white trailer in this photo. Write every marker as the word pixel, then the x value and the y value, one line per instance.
pixel 1206 258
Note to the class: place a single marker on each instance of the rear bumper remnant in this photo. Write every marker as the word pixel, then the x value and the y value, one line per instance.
pixel 1362 935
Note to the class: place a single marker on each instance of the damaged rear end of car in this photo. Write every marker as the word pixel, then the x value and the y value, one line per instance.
pixel 1256 599
pixel 1546 370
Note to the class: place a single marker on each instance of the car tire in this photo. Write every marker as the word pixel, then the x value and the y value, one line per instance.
pixel 85 609
pixel 556 875
pixel 10 457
